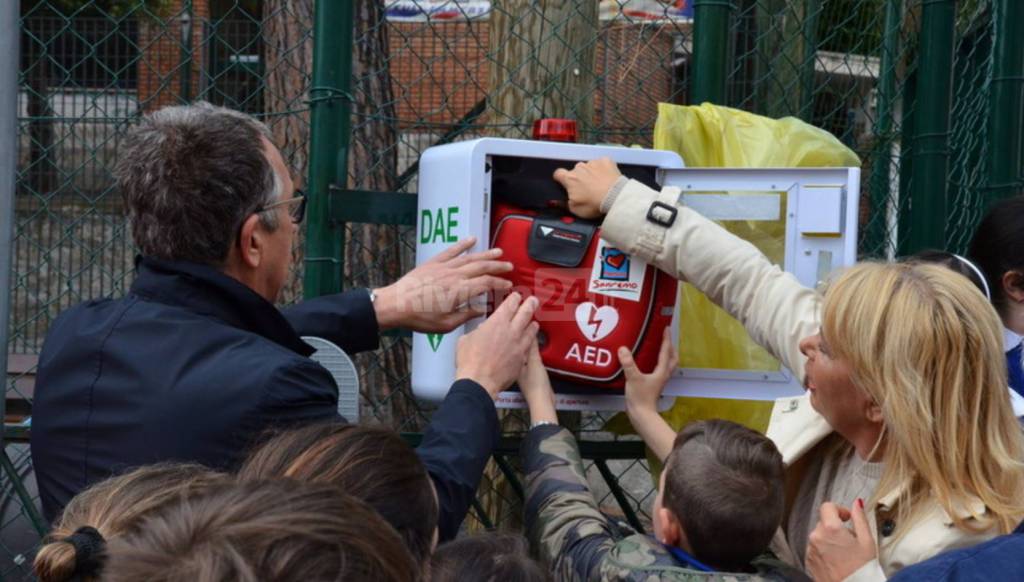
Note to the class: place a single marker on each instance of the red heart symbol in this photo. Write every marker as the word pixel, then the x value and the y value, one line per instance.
pixel 616 260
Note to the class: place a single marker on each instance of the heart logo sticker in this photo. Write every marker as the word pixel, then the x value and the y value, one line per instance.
pixel 596 322
pixel 616 260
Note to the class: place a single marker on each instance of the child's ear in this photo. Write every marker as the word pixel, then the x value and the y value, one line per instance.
pixel 671 528
pixel 1013 286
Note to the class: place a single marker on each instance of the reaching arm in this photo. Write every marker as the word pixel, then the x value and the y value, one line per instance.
pixel 346 319
pixel 455 449
pixel 642 393
pixel 535 385
pixel 771 304
pixel 562 516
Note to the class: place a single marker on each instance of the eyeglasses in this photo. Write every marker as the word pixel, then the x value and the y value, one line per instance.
pixel 297 213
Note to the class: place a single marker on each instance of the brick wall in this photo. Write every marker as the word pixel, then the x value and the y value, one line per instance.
pixel 440 71
pixel 162 63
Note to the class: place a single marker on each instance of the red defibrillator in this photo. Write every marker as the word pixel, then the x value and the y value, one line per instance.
pixel 593 297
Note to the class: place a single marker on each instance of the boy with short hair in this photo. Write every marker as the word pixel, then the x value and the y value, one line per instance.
pixel 720 497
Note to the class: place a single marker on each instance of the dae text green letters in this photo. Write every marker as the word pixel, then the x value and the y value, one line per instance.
pixel 439 225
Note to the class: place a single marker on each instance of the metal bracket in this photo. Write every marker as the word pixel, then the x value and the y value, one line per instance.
pixel 373 207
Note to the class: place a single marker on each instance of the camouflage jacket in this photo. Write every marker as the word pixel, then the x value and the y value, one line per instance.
pixel 571 534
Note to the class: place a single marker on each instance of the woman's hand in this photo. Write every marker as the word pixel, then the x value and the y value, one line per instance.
pixel 834 552
pixel 536 388
pixel 587 184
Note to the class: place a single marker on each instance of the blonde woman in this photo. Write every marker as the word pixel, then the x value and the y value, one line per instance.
pixel 905 444
pixel 76 547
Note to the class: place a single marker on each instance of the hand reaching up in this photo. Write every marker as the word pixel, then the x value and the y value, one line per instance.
pixel 494 353
pixel 535 385
pixel 643 390
pixel 642 393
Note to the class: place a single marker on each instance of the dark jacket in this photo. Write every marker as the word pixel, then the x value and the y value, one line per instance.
pixel 1001 558
pixel 192 365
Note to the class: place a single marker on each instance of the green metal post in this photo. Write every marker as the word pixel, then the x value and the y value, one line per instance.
pixel 1006 102
pixel 27 504
pixel 329 144
pixel 710 50
pixel 875 238
pixel 187 21
pixel 812 12
pixel 926 222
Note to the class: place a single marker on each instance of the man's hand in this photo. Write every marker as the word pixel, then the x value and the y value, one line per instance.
pixel 434 297
pixel 643 390
pixel 588 184
pixel 493 354
pixel 833 551
pixel 535 386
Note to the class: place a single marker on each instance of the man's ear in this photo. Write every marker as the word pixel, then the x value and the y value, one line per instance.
pixel 1013 286
pixel 671 529
pixel 251 242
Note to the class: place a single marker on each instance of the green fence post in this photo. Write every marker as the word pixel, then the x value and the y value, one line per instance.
pixel 330 104
pixel 710 50
pixel 924 220
pixel 187 22
pixel 876 243
pixel 10 35
pixel 1006 102
pixel 812 12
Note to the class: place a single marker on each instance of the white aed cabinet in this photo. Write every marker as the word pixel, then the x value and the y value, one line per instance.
pixel 804 219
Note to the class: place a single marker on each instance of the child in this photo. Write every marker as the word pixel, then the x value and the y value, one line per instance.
pixel 719 502
pixel 373 464
pixel 998 249
pixel 486 557
pixel 75 549
pixel 272 530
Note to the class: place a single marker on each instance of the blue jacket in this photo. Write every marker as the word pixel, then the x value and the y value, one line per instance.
pixel 1001 558
pixel 192 365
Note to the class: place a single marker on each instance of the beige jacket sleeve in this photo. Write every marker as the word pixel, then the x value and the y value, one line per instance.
pixel 771 304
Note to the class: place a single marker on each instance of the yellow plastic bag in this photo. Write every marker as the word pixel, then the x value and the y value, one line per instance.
pixel 713 136
pixel 709 136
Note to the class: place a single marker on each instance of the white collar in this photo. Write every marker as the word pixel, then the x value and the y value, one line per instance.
pixel 1011 339
pixel 1017 403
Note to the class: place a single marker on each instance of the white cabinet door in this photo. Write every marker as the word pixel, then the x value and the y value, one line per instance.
pixel 803 219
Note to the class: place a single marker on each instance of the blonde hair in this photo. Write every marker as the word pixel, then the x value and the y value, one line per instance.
pixel 262 530
pixel 112 507
pixel 926 346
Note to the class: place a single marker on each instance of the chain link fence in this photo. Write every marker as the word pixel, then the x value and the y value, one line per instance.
pixel 426 72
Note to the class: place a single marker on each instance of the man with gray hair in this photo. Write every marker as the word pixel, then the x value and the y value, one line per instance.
pixel 195 362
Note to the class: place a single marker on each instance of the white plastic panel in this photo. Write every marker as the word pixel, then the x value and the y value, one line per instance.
pixel 726 207
pixel 820 211
pixel 814 246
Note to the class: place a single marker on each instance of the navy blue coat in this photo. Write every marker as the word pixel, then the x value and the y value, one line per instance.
pixel 1001 558
pixel 192 365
